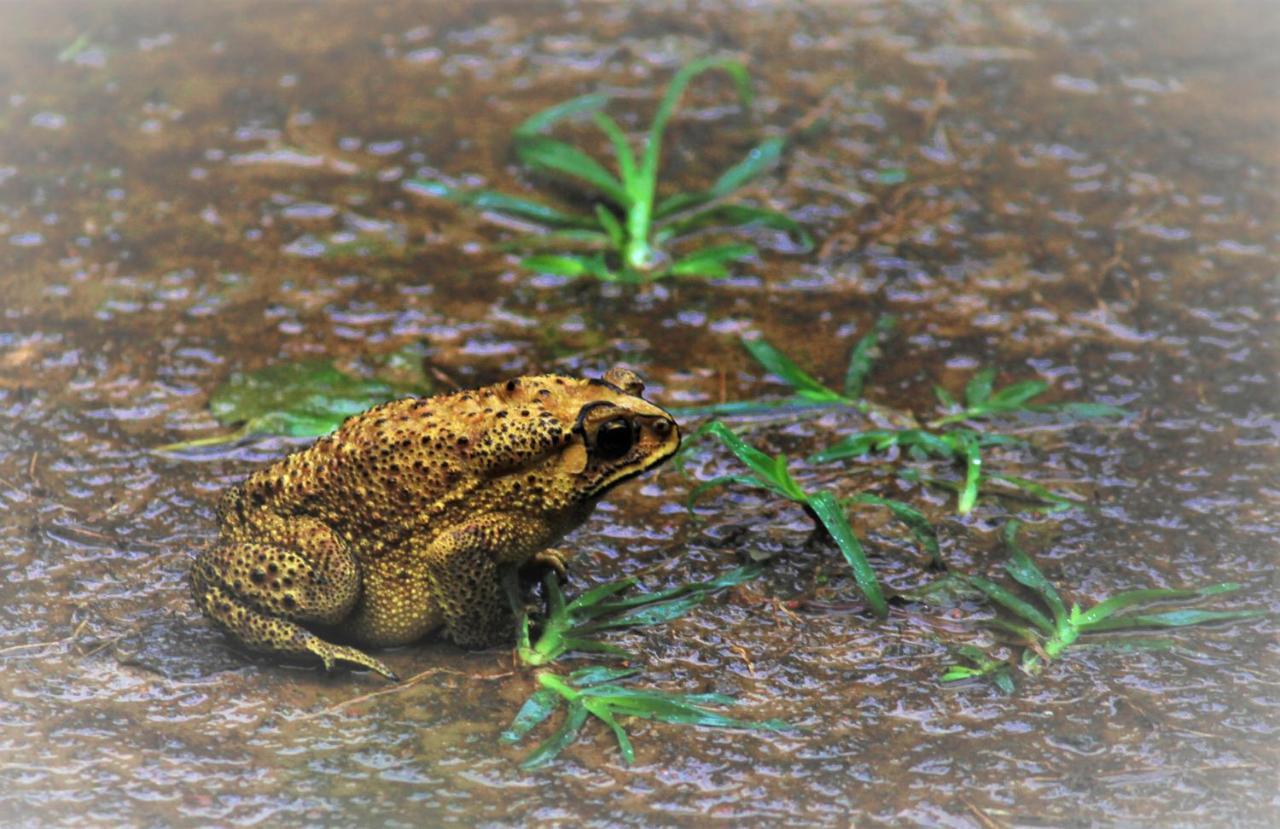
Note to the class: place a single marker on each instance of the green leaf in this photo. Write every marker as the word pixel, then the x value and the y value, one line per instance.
pixel 495 202
pixel 621 151
pixel 1174 618
pixel 612 227
pixel 945 398
pixel 1012 603
pixel 1038 491
pixel 667 106
pixel 920 528
pixel 856 445
pixel 597 674
pixel 601 710
pixel 864 353
pixel 1024 572
pixel 646 615
pixel 536 709
pixel 734 215
pixel 1082 409
pixel 568 265
pixel 779 364
pixel 551 155
pixel 560 740
pixel 757 461
pixel 760 159
pixel 599 593
pixel 545 119
pixel 306 399
pixel 978 389
pixel 1131 598
pixel 831 514
pixel 1015 394
pixel 711 261
pixel 972 475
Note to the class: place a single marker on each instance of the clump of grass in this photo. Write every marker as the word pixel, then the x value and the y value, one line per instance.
pixel 938 438
pixel 1050 629
pixel 596 692
pixel 300 400
pixel 569 627
pixel 628 234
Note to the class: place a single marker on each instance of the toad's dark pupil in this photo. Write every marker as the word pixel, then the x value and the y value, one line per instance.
pixel 614 440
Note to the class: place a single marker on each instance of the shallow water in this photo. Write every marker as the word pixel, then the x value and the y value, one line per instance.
pixel 1084 193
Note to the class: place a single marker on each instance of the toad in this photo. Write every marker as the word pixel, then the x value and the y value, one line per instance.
pixel 409 517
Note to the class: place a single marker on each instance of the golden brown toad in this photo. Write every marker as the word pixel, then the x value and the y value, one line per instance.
pixel 409 516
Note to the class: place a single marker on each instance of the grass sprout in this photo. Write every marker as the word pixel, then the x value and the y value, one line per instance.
pixel 1047 627
pixel 629 232
pixel 597 692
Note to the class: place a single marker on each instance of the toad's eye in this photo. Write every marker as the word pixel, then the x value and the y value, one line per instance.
pixel 614 439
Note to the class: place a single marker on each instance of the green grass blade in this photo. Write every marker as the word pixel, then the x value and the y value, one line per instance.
pixel 856 445
pixel 781 365
pixel 646 615
pixel 600 709
pixel 599 593
pixel 1173 618
pixel 671 711
pixel 560 740
pixel 757 461
pixel 667 106
pixel 621 149
pixel 978 389
pixel 1014 395
pixel 545 119
pixel 495 202
pixel 831 514
pixel 1038 491
pixel 612 227
pixel 864 355
pixel 1013 604
pixel 924 533
pixel 1132 598
pixel 534 712
pixel 581 645
pixel 1082 409
pixel 735 215
pixel 927 442
pixel 1024 572
pixel 597 674
pixel 759 160
pixel 711 261
pixel 945 398
pixel 569 265
pixel 731 578
pixel 972 476
pixel 552 155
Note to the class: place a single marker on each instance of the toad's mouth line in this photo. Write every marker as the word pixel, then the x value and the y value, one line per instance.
pixel 652 463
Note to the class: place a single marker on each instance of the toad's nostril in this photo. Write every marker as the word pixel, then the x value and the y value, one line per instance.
pixel 662 428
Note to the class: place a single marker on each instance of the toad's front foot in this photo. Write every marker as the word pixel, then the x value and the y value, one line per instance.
pixel 551 559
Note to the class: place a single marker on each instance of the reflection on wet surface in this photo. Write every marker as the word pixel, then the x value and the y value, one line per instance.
pixel 1082 193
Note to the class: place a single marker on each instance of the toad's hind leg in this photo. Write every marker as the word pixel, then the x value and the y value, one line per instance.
pixel 260 592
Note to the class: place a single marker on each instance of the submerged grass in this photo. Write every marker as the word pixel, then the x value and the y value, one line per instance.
pixel 629 232
pixel 1048 630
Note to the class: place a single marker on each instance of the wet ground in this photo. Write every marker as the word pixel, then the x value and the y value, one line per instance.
pixel 1084 193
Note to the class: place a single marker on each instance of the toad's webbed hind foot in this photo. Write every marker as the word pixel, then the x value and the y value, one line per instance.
pixel 330 653
pixel 272 634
